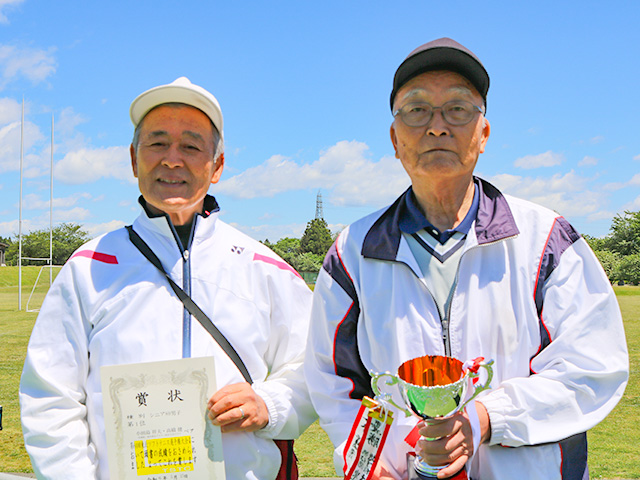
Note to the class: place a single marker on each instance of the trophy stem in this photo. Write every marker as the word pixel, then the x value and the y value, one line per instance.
pixel 417 469
pixel 424 470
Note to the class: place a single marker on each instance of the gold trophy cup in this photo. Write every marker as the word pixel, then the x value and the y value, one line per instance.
pixel 433 386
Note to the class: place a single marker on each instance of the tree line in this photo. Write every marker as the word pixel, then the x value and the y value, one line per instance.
pixel 67 238
pixel 619 251
pixel 305 254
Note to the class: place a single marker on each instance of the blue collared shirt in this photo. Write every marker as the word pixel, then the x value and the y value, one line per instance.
pixel 414 220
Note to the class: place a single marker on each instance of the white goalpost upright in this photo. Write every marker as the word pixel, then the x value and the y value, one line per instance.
pixel 49 260
pixel 51 210
pixel 20 212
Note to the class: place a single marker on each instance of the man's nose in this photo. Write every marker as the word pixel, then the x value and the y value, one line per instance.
pixel 437 126
pixel 173 156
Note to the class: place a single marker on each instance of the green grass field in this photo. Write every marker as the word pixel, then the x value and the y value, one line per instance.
pixel 614 450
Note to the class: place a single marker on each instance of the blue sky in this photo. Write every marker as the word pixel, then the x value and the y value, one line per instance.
pixel 304 89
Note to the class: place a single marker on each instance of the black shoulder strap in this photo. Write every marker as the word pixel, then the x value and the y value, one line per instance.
pixel 191 305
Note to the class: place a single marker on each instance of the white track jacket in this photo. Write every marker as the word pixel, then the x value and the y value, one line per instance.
pixel 530 295
pixel 109 305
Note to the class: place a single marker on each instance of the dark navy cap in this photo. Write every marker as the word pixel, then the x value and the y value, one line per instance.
pixel 442 54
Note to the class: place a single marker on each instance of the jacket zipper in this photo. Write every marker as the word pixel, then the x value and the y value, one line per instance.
pixel 186 285
pixel 445 322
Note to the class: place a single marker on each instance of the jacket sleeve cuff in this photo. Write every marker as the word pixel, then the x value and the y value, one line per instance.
pixel 496 403
pixel 271 428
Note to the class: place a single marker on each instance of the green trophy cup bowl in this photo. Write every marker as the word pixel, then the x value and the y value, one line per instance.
pixel 433 386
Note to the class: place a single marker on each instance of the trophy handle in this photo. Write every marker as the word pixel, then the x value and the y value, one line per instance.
pixel 383 396
pixel 480 387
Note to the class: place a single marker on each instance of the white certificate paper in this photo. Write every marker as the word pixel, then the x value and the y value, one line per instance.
pixel 156 421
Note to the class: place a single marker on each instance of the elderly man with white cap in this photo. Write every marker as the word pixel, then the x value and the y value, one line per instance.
pixel 110 306
pixel 455 268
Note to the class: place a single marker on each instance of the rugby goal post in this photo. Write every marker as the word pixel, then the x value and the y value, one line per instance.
pixel 40 289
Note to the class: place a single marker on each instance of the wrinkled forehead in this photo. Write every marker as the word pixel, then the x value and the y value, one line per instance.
pixel 426 86
pixel 420 93
pixel 178 111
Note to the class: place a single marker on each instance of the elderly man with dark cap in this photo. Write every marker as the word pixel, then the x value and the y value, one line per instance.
pixel 111 306
pixel 456 269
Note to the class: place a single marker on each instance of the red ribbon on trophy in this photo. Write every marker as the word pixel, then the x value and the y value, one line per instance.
pixel 365 442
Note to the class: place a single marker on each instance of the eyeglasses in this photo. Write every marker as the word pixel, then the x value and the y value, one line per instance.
pixel 455 112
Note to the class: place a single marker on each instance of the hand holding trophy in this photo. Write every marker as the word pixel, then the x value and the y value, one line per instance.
pixel 433 386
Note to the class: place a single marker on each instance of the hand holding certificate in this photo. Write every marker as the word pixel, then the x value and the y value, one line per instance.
pixel 238 407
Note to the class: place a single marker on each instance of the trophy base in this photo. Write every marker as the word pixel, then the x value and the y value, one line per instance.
pixel 415 475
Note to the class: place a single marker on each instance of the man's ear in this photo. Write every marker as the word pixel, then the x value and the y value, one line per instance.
pixel 394 140
pixel 217 172
pixel 486 131
pixel 134 162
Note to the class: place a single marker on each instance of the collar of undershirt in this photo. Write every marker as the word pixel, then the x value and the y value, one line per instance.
pixel 413 220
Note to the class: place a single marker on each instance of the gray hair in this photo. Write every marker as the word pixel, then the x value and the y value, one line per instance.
pixel 218 142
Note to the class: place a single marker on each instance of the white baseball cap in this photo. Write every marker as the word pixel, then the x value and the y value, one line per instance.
pixel 179 91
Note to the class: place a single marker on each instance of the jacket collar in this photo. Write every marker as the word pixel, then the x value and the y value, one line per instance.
pixel 203 222
pixel 210 206
pixel 415 221
pixel 493 222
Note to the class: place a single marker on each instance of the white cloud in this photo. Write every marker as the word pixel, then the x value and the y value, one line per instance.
pixel 10 146
pixel 35 202
pixel 10 111
pixel 343 169
pixel 9 229
pixel 568 194
pixel 601 215
pixel 3 5
pixel 74 215
pixel 546 159
pixel 614 186
pixel 588 161
pixel 32 201
pixel 272 232
pixel 88 165
pixel 42 221
pixel 337 227
pixel 67 121
pixel 633 206
pixel 16 63
pixel 637 157
pixel 34 171
pixel 97 229
pixel 37 146
pixel 596 139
